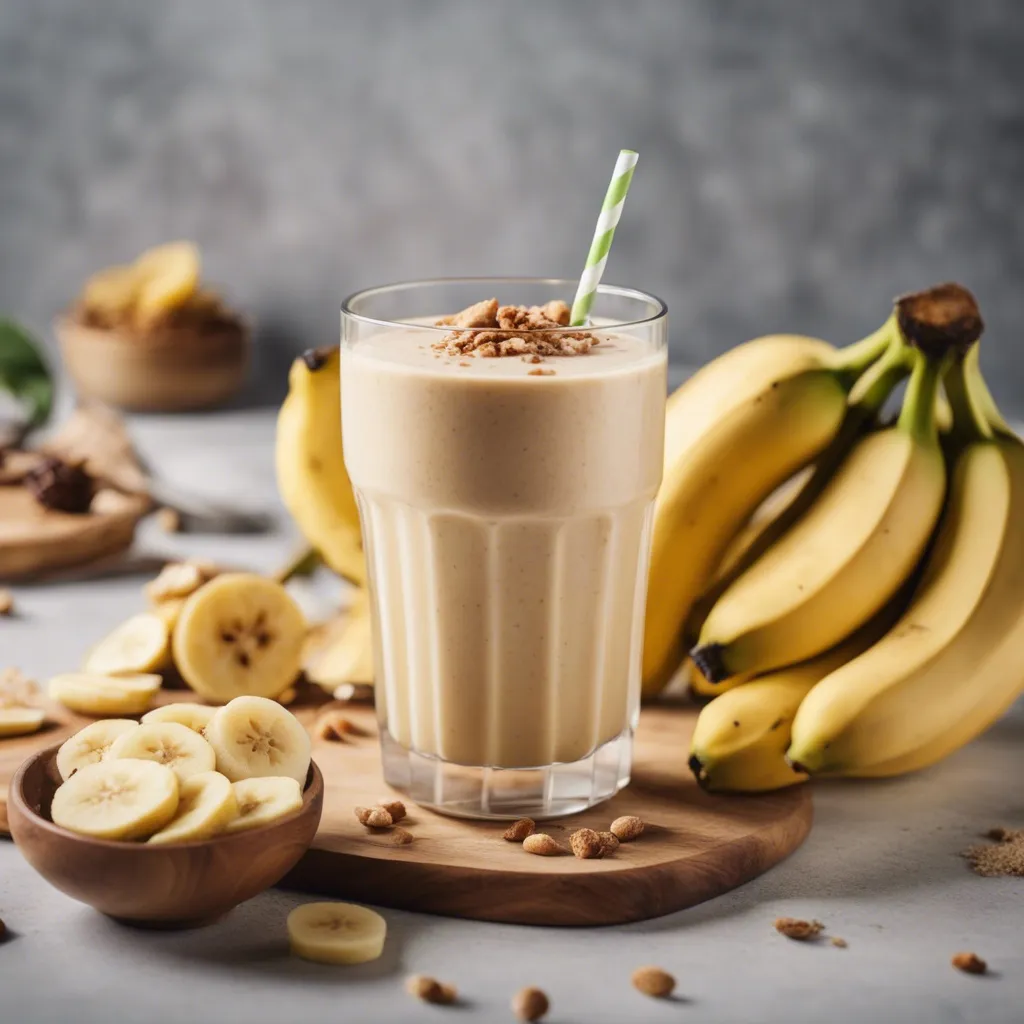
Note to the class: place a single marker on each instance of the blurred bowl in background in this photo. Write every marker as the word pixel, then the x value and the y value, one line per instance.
pixel 179 368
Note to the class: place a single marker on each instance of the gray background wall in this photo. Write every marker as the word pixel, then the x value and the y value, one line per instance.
pixel 802 161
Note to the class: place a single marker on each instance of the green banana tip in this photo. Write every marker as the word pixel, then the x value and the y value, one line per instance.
pixel 941 320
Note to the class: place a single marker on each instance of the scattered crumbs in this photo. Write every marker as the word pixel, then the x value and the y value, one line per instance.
pixel 969 963
pixel 465 362
pixel 794 928
pixel 540 373
pixel 839 943
pixel 1005 856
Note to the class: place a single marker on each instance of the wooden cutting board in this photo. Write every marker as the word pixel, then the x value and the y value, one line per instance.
pixel 696 845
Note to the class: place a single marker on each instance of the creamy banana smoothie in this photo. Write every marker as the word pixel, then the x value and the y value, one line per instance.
pixel 505 479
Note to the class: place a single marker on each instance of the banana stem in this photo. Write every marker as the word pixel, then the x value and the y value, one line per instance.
pixel 917 416
pixel 879 381
pixel 978 388
pixel 853 360
pixel 970 422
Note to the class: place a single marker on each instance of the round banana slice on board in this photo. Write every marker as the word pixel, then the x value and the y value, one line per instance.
pixel 142 644
pixel 184 751
pixel 20 721
pixel 205 807
pixel 261 801
pixel 254 737
pixel 239 634
pixel 91 744
pixel 117 800
pixel 336 933
pixel 195 716
pixel 104 696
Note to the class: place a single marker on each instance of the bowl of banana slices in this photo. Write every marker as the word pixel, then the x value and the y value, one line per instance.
pixel 173 820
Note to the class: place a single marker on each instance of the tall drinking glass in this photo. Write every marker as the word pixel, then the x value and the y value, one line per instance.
pixel 506 509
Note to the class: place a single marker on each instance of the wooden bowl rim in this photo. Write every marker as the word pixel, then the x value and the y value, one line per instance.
pixel 312 795
pixel 69 330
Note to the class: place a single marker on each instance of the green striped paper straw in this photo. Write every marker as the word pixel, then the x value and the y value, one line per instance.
pixel 611 211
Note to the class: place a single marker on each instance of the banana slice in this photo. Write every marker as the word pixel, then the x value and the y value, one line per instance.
pixel 117 799
pixel 195 716
pixel 111 292
pixel 239 634
pixel 91 744
pixel 20 721
pixel 169 275
pixel 207 803
pixel 142 644
pixel 254 737
pixel 185 752
pixel 170 611
pixel 336 933
pixel 261 801
pixel 104 696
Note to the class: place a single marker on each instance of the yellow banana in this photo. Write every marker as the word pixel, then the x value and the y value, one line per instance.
pixel 311 473
pixel 781 509
pixel 850 552
pixel 735 431
pixel 951 665
pixel 740 740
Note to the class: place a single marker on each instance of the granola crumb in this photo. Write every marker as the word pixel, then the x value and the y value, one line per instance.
pixel 540 373
pixel 969 963
pixel 519 830
pixel 6 603
pixel 586 844
pixel 373 817
pixel 541 844
pixel 1004 857
pixel 465 362
pixel 333 726
pixel 653 981
pixel 430 990
pixel 610 841
pixel 489 330
pixel 839 943
pixel 401 836
pixel 530 1004
pixel 794 928
pixel 627 828
pixel 394 807
pixel 169 520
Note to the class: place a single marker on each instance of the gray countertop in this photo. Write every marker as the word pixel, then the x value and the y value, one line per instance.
pixel 880 868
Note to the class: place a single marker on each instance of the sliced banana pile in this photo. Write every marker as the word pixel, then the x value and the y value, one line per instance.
pixel 172 779
pixel 226 634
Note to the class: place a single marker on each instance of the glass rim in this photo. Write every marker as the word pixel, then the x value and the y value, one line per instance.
pixel 621 291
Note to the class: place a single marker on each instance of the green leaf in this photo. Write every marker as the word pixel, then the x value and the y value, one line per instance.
pixel 24 373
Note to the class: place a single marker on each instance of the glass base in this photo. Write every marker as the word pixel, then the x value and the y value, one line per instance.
pixel 508 793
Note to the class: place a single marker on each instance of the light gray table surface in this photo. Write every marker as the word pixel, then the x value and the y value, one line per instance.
pixel 881 868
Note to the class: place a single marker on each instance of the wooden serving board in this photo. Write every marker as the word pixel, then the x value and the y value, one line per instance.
pixel 696 845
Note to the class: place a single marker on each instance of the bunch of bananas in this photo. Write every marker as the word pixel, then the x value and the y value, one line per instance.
pixel 316 490
pixel 868 623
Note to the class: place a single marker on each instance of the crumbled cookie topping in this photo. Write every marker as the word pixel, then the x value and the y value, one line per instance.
pixel 488 330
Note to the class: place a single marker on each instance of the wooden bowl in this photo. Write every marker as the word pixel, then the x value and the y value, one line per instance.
pixel 175 886
pixel 174 370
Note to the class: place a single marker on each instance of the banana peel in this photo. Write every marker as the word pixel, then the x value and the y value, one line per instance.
pixel 311 475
